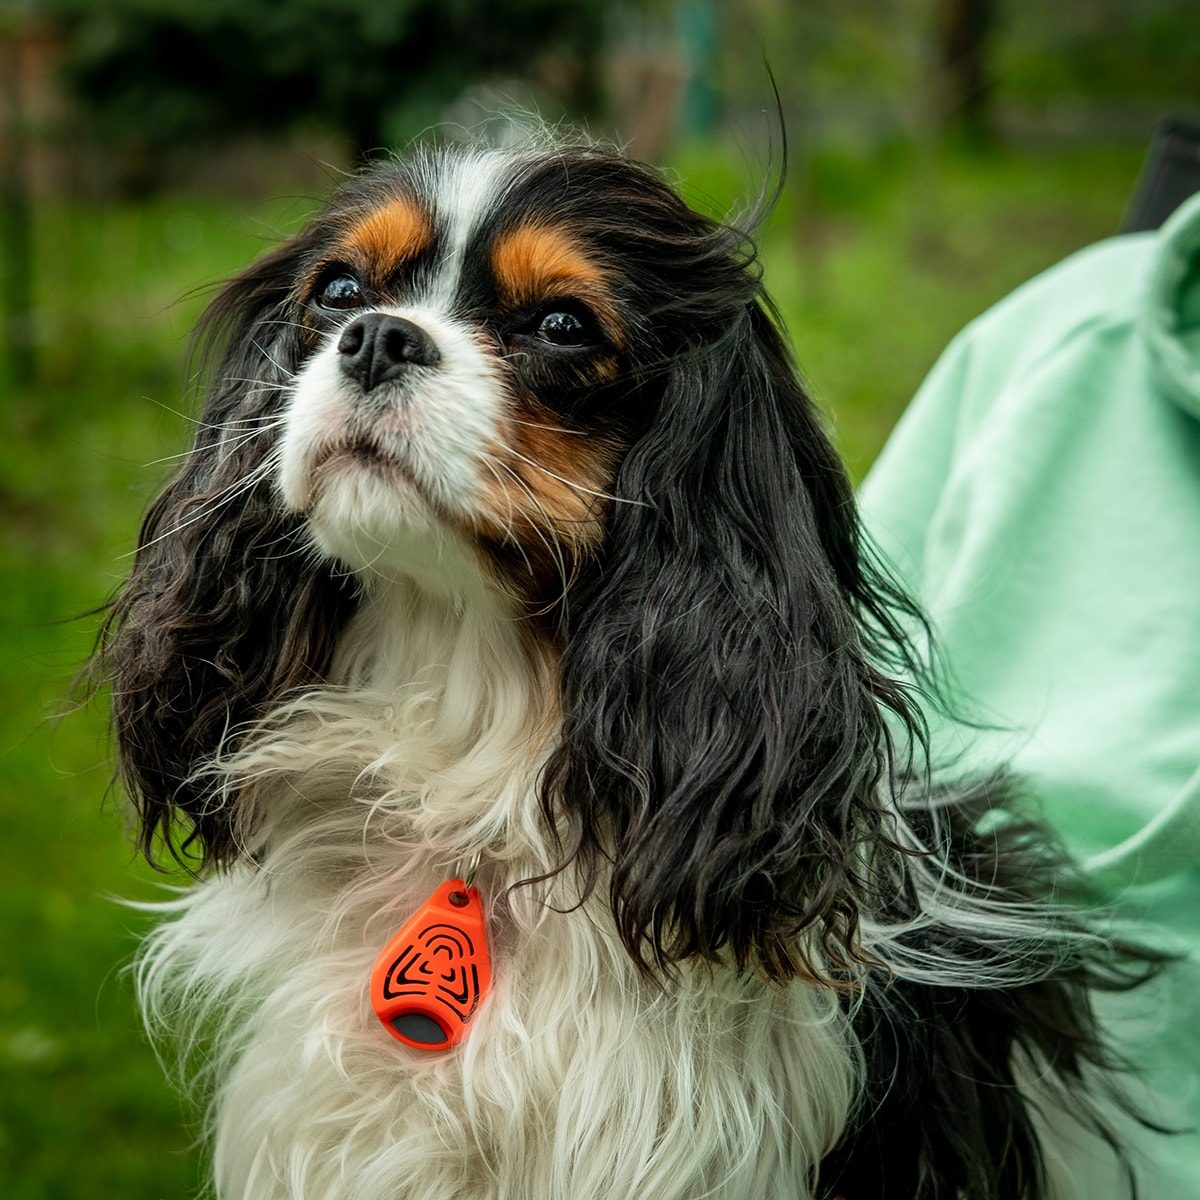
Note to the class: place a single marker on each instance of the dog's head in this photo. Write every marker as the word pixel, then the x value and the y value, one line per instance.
pixel 539 375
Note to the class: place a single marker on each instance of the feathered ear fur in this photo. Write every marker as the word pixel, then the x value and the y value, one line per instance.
pixel 723 699
pixel 225 610
pixel 734 757
pixel 983 1024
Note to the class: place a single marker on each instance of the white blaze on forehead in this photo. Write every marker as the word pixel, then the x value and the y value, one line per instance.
pixel 463 190
pixel 436 425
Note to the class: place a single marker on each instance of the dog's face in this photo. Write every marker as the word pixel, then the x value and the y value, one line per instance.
pixel 454 396
pixel 478 338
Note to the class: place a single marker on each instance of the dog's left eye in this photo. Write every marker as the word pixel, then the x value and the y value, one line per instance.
pixel 562 327
pixel 342 291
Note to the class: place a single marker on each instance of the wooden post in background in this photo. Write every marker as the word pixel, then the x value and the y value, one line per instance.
pixel 16 211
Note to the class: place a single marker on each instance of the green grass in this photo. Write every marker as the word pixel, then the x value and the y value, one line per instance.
pixel 875 261
pixel 84 1111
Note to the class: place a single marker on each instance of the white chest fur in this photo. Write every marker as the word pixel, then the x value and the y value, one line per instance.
pixel 580 1077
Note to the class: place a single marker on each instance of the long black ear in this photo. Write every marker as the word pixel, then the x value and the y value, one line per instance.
pixel 225 609
pixel 722 686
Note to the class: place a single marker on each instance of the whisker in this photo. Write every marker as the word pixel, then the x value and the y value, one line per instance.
pixel 298 549
pixel 509 533
pixel 549 428
pixel 371 564
pixel 270 358
pixel 579 487
pixel 201 424
pixel 226 445
pixel 225 496
pixel 490 463
pixel 548 536
pixel 285 324
pixel 255 385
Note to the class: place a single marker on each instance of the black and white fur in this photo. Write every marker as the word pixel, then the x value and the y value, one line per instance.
pixel 510 531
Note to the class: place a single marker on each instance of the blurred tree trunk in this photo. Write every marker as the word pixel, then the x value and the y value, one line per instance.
pixel 964 91
pixel 16 223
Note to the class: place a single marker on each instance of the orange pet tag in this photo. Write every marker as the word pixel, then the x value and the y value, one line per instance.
pixel 429 979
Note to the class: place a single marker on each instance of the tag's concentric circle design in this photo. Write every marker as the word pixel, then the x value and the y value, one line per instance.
pixel 429 979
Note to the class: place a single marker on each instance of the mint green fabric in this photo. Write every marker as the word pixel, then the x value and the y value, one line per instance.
pixel 1041 497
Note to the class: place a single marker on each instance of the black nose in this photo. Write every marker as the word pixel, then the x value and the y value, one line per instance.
pixel 377 347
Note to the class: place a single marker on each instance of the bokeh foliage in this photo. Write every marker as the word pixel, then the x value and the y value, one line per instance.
pixel 152 73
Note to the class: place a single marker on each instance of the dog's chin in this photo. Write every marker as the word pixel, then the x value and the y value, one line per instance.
pixel 370 516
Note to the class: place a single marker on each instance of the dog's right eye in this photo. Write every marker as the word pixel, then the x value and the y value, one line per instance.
pixel 341 292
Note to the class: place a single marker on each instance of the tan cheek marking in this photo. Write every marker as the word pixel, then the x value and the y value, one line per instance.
pixel 391 236
pixel 539 262
pixel 549 491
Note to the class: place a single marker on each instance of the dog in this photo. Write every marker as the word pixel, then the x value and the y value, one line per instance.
pixel 512 569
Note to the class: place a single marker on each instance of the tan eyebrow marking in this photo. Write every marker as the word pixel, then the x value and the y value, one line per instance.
pixel 392 235
pixel 535 262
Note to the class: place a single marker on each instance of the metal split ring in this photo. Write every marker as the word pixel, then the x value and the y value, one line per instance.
pixel 472 869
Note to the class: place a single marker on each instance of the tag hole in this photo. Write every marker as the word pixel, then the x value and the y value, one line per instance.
pixel 459 899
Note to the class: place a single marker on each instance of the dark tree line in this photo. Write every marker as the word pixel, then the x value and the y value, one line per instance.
pixel 154 73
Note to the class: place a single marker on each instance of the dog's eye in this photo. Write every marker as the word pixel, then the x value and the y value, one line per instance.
pixel 564 328
pixel 341 291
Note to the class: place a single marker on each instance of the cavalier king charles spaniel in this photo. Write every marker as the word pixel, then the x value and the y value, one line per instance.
pixel 513 578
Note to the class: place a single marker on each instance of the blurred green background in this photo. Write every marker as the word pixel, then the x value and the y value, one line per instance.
pixel 940 152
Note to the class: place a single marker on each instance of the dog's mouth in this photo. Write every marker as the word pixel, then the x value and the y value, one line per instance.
pixel 364 479
pixel 365 452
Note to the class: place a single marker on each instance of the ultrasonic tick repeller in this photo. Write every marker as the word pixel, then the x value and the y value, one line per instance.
pixel 429 979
